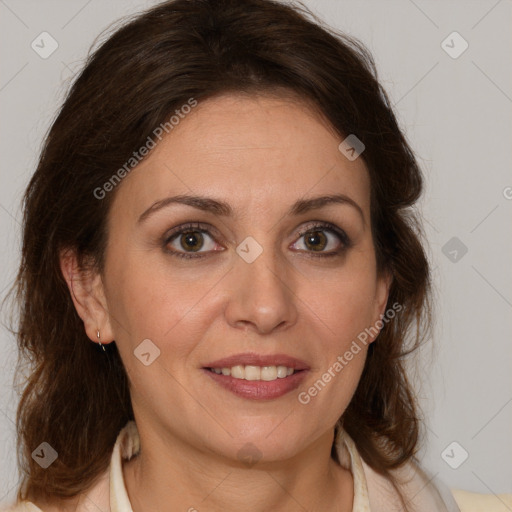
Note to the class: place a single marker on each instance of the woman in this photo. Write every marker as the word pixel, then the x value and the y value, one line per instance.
pixel 220 271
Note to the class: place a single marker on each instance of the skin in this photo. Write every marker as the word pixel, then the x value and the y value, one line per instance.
pixel 259 154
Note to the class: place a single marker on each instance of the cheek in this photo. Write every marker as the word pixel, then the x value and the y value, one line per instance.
pixel 147 301
pixel 346 303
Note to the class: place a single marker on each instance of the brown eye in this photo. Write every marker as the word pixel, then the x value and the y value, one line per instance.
pixel 192 240
pixel 187 241
pixel 315 240
pixel 322 239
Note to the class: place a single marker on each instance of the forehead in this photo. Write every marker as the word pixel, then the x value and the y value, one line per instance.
pixel 253 151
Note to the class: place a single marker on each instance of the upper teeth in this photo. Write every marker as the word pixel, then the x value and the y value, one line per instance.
pixel 249 372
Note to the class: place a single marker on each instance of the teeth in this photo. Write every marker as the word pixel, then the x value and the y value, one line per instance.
pixel 269 373
pixel 282 372
pixel 251 372
pixel 238 372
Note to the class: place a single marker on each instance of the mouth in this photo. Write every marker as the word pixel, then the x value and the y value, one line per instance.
pixel 257 377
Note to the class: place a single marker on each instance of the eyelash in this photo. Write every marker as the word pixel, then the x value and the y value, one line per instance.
pixel 312 227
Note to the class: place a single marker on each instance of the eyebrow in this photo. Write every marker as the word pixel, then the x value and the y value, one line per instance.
pixel 221 208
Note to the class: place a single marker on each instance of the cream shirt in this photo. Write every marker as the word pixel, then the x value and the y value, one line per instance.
pixel 372 492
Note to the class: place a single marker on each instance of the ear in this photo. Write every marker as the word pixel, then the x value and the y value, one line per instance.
pixel 88 295
pixel 384 280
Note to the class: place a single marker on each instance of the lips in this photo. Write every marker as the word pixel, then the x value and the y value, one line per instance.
pixel 261 388
pixel 258 389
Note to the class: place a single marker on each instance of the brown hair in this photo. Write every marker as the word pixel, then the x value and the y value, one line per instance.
pixel 75 397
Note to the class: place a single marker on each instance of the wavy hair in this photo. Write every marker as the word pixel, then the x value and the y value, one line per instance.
pixel 77 398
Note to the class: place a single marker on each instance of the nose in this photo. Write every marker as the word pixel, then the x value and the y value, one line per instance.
pixel 262 296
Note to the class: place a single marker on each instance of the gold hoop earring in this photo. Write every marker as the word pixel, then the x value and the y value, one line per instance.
pixel 98 336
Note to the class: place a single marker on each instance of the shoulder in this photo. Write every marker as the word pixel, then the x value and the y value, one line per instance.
pixel 53 506
pixel 428 493
pixel 23 506
pixel 95 498
pixel 475 502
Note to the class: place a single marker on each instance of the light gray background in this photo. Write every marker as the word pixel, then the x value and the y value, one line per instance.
pixel 457 116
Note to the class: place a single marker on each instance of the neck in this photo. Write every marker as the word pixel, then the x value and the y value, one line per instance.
pixel 197 482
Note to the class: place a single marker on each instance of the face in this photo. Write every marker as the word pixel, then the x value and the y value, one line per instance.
pixel 255 271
